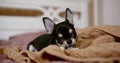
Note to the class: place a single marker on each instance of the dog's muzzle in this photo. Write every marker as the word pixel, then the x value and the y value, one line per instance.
pixel 68 44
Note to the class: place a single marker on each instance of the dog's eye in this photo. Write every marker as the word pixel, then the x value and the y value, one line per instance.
pixel 73 34
pixel 59 39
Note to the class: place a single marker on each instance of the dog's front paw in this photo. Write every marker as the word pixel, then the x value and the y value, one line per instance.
pixel 62 48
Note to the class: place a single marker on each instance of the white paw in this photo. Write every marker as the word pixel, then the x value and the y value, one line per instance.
pixel 62 48
pixel 32 48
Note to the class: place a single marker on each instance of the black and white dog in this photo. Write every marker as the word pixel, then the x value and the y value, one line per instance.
pixel 62 34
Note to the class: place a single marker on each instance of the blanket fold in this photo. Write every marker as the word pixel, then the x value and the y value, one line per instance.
pixel 95 44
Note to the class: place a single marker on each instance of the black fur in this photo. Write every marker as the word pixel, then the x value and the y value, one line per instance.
pixel 63 28
pixel 42 41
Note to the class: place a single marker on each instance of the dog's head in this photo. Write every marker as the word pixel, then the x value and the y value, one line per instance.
pixel 64 33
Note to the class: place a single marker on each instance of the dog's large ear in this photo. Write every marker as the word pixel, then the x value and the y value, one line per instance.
pixel 49 24
pixel 69 16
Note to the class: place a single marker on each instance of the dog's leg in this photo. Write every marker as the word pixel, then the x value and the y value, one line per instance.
pixel 31 48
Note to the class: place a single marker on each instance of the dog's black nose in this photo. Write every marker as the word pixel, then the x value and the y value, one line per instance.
pixel 69 41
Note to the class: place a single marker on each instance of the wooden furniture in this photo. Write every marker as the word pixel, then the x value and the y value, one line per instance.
pixel 22 16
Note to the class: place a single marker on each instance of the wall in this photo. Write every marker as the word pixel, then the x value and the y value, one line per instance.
pixel 106 12
pixel 111 12
pixel 15 25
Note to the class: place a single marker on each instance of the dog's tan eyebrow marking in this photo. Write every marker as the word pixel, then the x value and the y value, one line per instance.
pixel 70 30
pixel 60 35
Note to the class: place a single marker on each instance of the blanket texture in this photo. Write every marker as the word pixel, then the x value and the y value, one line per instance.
pixel 94 44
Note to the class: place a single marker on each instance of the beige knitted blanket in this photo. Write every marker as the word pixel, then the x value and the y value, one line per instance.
pixel 95 44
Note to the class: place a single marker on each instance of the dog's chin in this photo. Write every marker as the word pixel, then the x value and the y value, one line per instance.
pixel 67 47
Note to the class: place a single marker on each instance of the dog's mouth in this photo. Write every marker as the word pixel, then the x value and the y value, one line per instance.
pixel 63 47
pixel 66 45
pixel 70 46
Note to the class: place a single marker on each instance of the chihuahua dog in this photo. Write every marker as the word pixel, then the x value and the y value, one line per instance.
pixel 62 34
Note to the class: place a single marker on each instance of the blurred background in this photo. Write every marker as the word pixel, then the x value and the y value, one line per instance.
pixel 23 16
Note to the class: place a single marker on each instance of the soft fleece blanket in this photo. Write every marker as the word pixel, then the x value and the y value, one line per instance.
pixel 94 44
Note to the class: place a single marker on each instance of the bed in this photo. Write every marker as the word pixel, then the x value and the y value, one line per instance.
pixel 96 44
